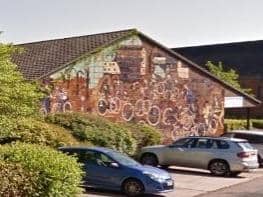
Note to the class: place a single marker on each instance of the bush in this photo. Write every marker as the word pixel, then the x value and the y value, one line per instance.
pixel 55 174
pixel 16 181
pixel 257 123
pixel 96 130
pixel 144 134
pixel 234 124
pixel 39 132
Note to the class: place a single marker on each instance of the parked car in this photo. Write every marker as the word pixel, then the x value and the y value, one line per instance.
pixel 222 156
pixel 108 169
pixel 255 138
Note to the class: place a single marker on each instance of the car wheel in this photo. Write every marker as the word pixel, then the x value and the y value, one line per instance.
pixel 133 187
pixel 149 159
pixel 219 168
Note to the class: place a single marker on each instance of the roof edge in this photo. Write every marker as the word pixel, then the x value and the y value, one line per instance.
pixel 249 97
pixel 129 33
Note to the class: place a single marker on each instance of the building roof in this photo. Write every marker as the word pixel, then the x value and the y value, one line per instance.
pixel 244 57
pixel 41 59
pixel 44 57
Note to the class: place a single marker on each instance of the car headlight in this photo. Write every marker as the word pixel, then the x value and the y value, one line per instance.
pixel 154 177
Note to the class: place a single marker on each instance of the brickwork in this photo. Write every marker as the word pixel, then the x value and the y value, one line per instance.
pixel 137 81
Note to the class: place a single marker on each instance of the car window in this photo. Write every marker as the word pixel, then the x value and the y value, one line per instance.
pixel 221 144
pixel 184 142
pixel 245 145
pixel 202 143
pixel 251 138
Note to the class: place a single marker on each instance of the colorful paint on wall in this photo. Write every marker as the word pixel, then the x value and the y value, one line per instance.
pixel 135 81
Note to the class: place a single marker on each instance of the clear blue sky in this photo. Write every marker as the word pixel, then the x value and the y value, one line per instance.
pixel 174 23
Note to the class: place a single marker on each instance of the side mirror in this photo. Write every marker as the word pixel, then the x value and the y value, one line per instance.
pixel 114 165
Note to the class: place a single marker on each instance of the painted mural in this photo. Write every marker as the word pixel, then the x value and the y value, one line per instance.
pixel 134 81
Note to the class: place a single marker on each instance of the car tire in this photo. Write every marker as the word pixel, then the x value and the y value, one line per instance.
pixel 219 168
pixel 133 187
pixel 149 159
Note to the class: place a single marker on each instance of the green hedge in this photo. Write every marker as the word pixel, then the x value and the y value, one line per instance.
pixel 40 132
pixel 144 134
pixel 233 124
pixel 257 123
pixel 55 174
pixel 16 181
pixel 96 130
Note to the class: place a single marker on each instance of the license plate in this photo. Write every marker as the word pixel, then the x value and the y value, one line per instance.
pixel 169 183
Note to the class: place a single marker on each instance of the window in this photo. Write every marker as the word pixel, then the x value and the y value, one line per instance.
pixel 201 143
pixel 184 142
pixel 222 144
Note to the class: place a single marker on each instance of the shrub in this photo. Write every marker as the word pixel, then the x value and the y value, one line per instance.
pixel 56 174
pixel 96 130
pixel 233 124
pixel 39 132
pixel 16 181
pixel 257 123
pixel 144 134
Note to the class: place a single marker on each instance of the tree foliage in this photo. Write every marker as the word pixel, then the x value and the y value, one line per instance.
pixel 18 98
pixel 230 76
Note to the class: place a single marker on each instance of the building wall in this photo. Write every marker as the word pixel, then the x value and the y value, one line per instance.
pixel 134 80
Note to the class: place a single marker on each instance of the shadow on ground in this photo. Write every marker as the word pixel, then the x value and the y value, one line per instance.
pixel 109 193
pixel 195 172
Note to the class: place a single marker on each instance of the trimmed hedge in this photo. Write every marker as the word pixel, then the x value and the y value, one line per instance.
pixel 257 124
pixel 54 173
pixel 233 124
pixel 39 132
pixel 96 130
pixel 16 181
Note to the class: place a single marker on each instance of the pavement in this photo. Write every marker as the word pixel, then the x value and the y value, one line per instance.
pixel 252 188
pixel 191 182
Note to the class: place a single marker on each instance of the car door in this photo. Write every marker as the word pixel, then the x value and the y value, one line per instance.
pixel 179 151
pixel 100 172
pixel 199 153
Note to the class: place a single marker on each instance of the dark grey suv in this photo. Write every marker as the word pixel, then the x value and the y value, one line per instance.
pixel 254 137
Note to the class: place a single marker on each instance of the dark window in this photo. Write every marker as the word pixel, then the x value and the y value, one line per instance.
pixel 184 142
pixel 222 144
pixel 251 138
pixel 201 143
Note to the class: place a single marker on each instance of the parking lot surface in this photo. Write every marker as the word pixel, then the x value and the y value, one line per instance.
pixel 190 182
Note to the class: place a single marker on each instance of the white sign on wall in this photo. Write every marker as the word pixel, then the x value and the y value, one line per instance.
pixel 234 101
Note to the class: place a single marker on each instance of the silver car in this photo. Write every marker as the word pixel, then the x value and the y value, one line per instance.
pixel 222 156
pixel 254 137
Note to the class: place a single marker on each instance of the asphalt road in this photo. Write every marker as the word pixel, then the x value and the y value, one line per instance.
pixel 252 188
pixel 192 182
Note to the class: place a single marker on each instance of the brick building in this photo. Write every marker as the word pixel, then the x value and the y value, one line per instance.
pixel 244 57
pixel 127 76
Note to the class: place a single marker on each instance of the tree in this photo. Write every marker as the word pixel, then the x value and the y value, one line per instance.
pixel 18 98
pixel 230 76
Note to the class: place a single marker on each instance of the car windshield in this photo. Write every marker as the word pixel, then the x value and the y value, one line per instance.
pixel 245 145
pixel 123 159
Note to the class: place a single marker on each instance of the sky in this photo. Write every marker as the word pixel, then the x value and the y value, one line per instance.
pixel 174 23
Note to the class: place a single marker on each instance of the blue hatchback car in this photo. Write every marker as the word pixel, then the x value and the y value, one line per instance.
pixel 112 170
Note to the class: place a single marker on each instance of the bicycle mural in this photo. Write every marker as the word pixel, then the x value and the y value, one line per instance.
pixel 135 81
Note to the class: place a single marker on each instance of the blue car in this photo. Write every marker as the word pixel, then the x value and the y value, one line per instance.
pixel 108 169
